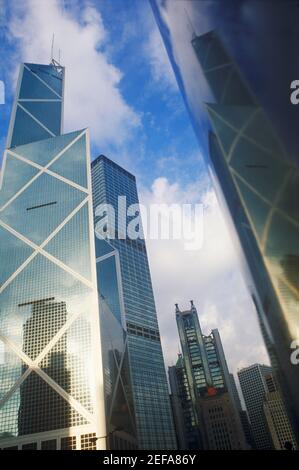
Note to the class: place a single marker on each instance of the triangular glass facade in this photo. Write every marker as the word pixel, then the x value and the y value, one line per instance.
pixel 50 359
pixel 70 165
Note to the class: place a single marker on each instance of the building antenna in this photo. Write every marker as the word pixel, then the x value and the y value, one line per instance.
pixel 52 48
pixel 54 62
pixel 191 27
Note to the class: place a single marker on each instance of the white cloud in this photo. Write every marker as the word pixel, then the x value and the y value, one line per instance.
pixel 161 69
pixel 92 95
pixel 210 276
pixel 176 15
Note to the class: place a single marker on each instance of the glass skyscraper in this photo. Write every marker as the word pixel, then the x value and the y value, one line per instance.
pixel 237 90
pixel 138 314
pixel 201 379
pixel 51 375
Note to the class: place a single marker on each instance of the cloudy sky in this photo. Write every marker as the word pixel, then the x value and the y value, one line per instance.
pixel 119 83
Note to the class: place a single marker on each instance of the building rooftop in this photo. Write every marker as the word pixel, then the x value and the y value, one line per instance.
pixel 111 163
pixel 252 366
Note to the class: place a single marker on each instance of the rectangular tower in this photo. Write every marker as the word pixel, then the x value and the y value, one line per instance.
pixel 51 394
pixel 254 389
pixel 277 419
pixel 150 390
pixel 266 408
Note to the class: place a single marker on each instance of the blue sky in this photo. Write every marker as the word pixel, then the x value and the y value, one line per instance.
pixel 147 85
pixel 119 83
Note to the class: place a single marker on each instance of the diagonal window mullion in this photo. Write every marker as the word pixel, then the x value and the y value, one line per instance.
pixel 42 171
pixel 39 249
pixel 67 397
pixel 33 367
pixel 15 386
pixel 47 171
pixel 42 81
pixel 269 203
pixel 274 207
pixel 37 120
pixel 56 338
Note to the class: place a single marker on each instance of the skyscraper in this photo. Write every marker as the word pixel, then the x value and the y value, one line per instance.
pixel 154 421
pixel 51 393
pixel 207 403
pixel 278 423
pixel 253 386
pixel 246 126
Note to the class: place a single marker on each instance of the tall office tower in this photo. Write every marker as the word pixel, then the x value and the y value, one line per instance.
pixel 277 420
pixel 207 388
pixel 246 127
pixel 51 394
pixel 254 389
pixel 116 187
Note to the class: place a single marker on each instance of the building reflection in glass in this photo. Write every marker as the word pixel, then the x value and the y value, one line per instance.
pixel 234 62
pixel 121 427
pixel 39 414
